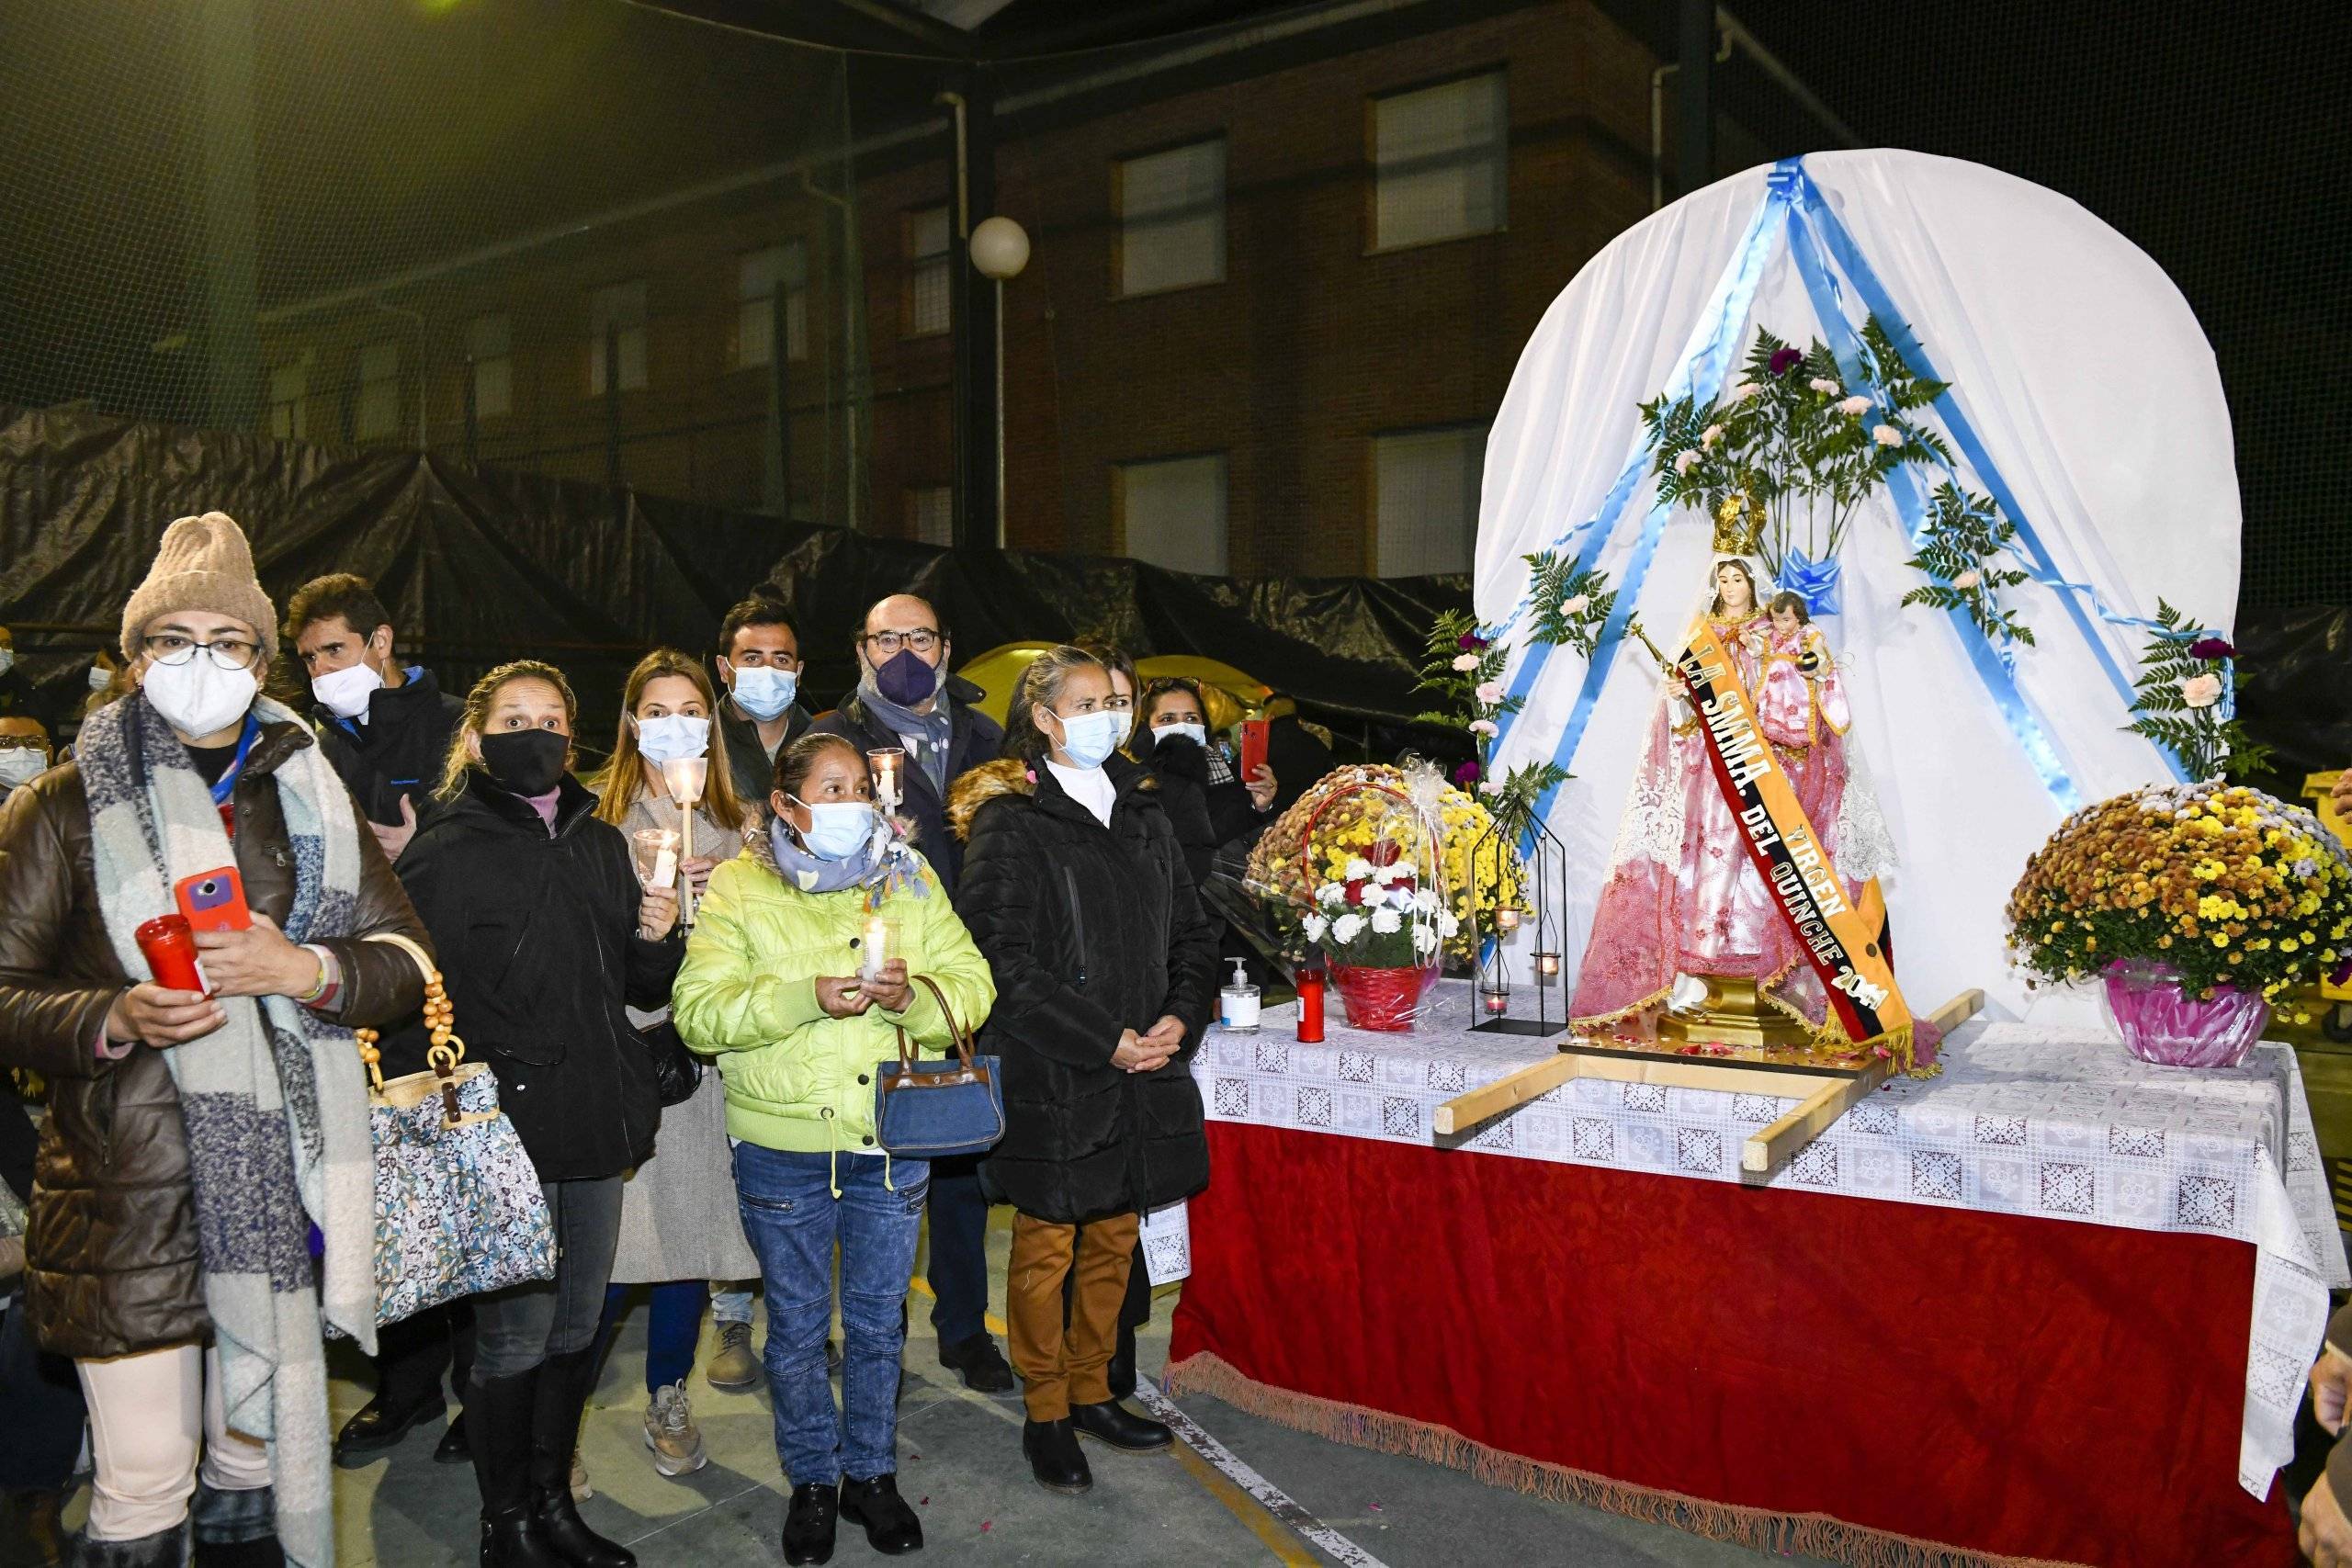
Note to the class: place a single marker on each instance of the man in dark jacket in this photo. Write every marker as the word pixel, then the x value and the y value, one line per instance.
pixel 759 663
pixel 385 725
pixel 115 1276
pixel 906 698
pixel 2326 1533
pixel 387 728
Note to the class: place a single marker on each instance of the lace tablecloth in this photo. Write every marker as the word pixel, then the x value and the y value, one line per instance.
pixel 2022 1120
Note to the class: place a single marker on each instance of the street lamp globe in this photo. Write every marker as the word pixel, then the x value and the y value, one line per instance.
pixel 1000 248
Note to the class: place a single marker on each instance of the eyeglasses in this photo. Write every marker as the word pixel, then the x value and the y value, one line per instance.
pixel 923 639
pixel 24 743
pixel 228 652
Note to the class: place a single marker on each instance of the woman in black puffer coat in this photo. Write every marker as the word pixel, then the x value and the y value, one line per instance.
pixel 1075 891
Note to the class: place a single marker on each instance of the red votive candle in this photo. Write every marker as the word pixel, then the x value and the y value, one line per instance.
pixel 169 948
pixel 1310 1005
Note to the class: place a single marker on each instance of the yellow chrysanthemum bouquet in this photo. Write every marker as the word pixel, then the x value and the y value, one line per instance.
pixel 2228 887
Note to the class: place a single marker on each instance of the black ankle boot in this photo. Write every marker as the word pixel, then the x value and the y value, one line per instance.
pixel 892 1526
pixel 235 1530
pixel 564 1382
pixel 1053 1457
pixel 1114 1425
pixel 501 1414
pixel 165 1548
pixel 808 1523
pixel 1121 1369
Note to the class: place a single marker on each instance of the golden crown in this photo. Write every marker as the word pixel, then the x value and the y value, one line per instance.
pixel 1739 528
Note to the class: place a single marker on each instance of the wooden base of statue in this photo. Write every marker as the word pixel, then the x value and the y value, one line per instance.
pixel 1735 1014
pixel 1828 1089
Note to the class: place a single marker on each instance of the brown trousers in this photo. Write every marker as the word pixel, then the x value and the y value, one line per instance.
pixel 1057 1369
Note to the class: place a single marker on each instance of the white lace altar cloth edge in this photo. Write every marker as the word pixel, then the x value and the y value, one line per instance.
pixel 2023 1120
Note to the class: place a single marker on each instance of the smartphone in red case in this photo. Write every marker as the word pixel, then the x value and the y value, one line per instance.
pixel 214 900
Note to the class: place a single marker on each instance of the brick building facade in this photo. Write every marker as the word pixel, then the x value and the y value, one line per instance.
pixel 1261 331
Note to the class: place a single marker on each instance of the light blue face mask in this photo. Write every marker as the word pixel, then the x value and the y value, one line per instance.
pixel 1198 734
pixel 1089 739
pixel 837 829
pixel 673 738
pixel 764 692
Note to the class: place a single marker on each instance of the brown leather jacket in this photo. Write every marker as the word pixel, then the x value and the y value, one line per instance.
pixel 112 1264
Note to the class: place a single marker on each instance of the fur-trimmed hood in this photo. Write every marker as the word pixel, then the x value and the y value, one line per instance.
pixel 967 793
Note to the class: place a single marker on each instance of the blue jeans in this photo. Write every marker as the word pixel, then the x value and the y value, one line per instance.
pixel 673 1327
pixel 794 1221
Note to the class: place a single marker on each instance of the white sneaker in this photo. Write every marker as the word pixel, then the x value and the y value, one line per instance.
pixel 670 1432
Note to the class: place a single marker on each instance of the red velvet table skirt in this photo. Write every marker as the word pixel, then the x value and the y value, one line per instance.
pixel 1802 1371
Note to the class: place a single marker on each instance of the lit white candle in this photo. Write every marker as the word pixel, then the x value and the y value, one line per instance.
pixel 875 947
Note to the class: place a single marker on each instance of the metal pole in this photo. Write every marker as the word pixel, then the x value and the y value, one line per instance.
pixel 613 404
pixel 999 414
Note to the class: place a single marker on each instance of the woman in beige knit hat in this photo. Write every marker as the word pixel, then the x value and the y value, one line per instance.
pixel 181 1165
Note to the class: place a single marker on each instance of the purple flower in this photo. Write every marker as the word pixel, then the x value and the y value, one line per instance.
pixel 2343 971
pixel 1467 774
pixel 1786 359
pixel 2210 648
pixel 1472 641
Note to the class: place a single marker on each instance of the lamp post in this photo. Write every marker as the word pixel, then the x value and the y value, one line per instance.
pixel 1000 249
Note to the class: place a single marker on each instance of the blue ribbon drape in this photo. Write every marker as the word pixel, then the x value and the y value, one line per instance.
pixel 1815 582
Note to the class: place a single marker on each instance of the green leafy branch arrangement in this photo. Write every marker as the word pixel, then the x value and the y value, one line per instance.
pixel 1962 534
pixel 1464 669
pixel 1570 606
pixel 2187 701
pixel 1792 433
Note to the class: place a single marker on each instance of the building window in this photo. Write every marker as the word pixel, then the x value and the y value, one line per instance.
pixel 1438 162
pixel 927 272
pixel 289 387
pixel 1170 512
pixel 378 413
pixel 930 514
pixel 620 306
pixel 490 343
pixel 1425 495
pixel 761 278
pixel 1172 219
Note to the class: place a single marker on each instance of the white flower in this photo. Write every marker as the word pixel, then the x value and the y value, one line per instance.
pixel 1886 435
pixel 1315 926
pixel 1359 869
pixel 2201 691
pixel 1426 900
pixel 1425 938
pixel 1386 922
pixel 1465 662
pixel 1490 786
pixel 1485 727
pixel 1709 436
pixel 1346 928
pixel 1685 461
pixel 1488 692
pixel 1332 894
pixel 1967 581
pixel 1575 606
pixel 1855 407
pixel 1447 924
pixel 1401 896
pixel 1744 391
pixel 1827 387
pixel 1395 871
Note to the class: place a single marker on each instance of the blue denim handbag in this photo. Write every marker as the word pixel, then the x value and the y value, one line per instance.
pixel 938 1110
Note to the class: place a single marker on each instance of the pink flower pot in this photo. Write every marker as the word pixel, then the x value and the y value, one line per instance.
pixel 2162 1025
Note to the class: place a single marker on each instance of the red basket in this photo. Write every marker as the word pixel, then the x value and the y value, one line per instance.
pixel 1383 1000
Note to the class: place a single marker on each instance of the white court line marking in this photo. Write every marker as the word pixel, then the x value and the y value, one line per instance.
pixel 1267 1495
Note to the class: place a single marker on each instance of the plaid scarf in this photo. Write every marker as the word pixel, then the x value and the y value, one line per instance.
pixel 274 1103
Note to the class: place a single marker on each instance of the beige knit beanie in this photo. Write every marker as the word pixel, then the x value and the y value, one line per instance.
pixel 204 563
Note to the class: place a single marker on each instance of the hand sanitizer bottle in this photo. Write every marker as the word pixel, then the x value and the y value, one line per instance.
pixel 1239 1010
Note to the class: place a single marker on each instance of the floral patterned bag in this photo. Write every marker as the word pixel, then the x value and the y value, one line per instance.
pixel 459 1209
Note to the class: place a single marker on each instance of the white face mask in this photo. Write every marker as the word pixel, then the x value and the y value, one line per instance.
pixel 199 698
pixel 673 738
pixel 20 766
pixel 100 677
pixel 764 692
pixel 345 692
pixel 1198 734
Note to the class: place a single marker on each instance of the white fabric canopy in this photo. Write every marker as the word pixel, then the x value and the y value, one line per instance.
pixel 2095 395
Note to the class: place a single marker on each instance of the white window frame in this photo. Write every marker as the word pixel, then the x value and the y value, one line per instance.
pixel 760 277
pixel 1403 166
pixel 376 413
pixel 1209 552
pixel 489 345
pixel 1146 214
pixel 623 305
pixel 290 397
pixel 1471 437
pixel 927 271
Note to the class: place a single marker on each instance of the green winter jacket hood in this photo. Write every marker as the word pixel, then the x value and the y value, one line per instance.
pixel 796 1078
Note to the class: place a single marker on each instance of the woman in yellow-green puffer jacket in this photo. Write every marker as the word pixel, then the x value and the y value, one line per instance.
pixel 772 987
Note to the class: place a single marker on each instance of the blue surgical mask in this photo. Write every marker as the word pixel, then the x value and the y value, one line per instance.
pixel 764 692
pixel 1089 739
pixel 673 738
pixel 1198 734
pixel 837 829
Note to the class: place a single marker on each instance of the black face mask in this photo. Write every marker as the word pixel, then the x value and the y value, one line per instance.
pixel 525 761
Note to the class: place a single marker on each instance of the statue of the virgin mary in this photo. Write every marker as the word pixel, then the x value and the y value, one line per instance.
pixel 1685 921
